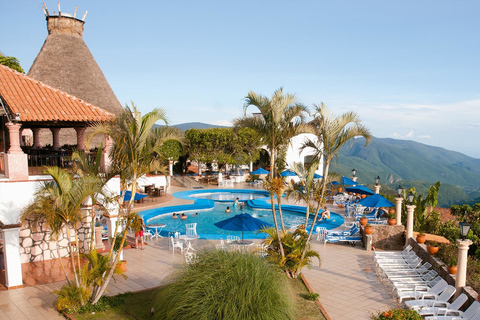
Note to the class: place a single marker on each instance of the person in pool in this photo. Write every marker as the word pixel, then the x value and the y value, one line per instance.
pixel 183 216
pixel 174 216
pixel 241 205
pixel 195 214
pixel 236 202
pixel 228 210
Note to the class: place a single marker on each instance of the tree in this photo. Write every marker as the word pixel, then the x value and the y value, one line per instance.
pixel 134 154
pixel 282 118
pixel 332 133
pixel 11 62
pixel 251 143
pixel 58 203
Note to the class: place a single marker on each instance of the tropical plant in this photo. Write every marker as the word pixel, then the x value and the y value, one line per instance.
pixel 226 285
pixel 282 118
pixel 134 154
pixel 293 244
pixel 331 134
pixel 397 314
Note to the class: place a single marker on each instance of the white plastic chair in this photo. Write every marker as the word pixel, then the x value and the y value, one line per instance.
pixel 443 307
pixel 221 245
pixel 191 229
pixel 472 313
pixel 176 243
pixel 421 290
pixel 428 299
pixel 321 234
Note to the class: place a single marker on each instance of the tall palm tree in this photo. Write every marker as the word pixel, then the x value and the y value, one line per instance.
pixel 283 118
pixel 134 155
pixel 332 133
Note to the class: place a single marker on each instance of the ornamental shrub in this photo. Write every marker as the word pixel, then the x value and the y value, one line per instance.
pixel 397 314
pixel 226 285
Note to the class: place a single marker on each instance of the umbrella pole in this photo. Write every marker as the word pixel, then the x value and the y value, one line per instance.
pixel 242 236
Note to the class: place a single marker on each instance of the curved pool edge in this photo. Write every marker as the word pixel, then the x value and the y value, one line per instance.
pixel 187 195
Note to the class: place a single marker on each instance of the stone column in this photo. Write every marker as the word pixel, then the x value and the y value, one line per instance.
pixel 398 210
pixel 16 162
pixel 80 138
pixel 105 161
pixel 36 137
pixel 199 168
pixel 410 209
pixel 461 277
pixel 11 256
pixel 170 167
pixel 56 138
pixel 377 189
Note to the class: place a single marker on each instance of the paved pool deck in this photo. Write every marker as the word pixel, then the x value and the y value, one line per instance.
pixel 346 281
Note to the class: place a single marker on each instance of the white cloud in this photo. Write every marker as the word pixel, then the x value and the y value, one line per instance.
pixel 396 135
pixel 226 123
pixel 409 135
pixel 424 136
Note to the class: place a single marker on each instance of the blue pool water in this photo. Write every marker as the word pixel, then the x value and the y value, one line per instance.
pixel 211 205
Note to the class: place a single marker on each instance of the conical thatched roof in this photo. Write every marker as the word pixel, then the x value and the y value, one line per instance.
pixel 66 63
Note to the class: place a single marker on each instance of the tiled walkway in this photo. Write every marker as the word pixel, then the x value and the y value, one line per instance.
pixel 348 287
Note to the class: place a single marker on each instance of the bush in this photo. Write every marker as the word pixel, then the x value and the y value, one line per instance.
pixel 397 314
pixel 226 285
pixel 70 297
pixel 311 296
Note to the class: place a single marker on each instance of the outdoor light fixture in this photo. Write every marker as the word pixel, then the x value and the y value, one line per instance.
pixel 400 191
pixel 377 180
pixel 464 229
pixel 354 172
pixel 410 197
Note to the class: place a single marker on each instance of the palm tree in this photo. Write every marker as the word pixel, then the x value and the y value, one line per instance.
pixel 58 203
pixel 332 133
pixel 282 119
pixel 134 154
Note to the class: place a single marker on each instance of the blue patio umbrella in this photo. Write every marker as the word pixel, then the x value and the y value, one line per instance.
pixel 317 176
pixel 376 201
pixel 347 182
pixel 260 171
pixel 128 196
pixel 242 222
pixel 288 173
pixel 359 189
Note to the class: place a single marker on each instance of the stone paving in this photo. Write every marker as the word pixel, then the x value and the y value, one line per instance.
pixel 346 281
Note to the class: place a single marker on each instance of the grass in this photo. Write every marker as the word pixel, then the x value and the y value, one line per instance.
pixel 138 306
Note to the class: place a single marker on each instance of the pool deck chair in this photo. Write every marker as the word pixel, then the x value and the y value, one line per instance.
pixel 352 240
pixel 321 234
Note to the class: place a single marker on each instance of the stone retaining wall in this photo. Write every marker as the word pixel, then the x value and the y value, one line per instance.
pixel 36 243
pixel 386 237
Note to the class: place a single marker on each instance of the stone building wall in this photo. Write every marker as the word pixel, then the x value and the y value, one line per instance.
pixel 36 243
pixel 386 237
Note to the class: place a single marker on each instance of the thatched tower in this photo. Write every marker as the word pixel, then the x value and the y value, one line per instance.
pixel 66 63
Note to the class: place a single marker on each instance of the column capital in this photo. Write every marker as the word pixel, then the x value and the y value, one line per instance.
pixel 464 244
pixel 14 135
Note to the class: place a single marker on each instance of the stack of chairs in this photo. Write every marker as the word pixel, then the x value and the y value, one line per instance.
pixel 351 236
pixel 420 288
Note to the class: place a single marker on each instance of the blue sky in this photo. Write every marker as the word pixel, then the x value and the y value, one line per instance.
pixel 411 69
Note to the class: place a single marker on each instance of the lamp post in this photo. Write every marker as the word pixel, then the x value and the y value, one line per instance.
pixel 398 205
pixel 410 209
pixel 354 175
pixel 463 244
pixel 377 185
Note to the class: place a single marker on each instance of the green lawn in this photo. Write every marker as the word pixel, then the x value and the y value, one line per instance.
pixel 138 306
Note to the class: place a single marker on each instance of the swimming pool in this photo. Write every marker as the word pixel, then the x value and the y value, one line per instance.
pixel 211 204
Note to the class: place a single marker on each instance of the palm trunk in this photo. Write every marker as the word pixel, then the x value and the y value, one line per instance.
pixel 61 263
pixel 280 244
pixel 304 252
pixel 279 201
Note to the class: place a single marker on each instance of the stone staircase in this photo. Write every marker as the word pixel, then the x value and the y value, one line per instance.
pixel 187 182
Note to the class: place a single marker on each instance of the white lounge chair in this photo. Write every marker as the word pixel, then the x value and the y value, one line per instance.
pixel 472 313
pixel 443 307
pixel 427 299
pixel 420 291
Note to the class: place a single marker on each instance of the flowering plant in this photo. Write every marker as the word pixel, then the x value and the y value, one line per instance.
pixel 397 314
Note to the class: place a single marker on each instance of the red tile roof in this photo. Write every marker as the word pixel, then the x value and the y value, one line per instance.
pixel 37 101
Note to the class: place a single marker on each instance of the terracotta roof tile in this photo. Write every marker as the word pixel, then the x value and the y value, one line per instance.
pixel 37 101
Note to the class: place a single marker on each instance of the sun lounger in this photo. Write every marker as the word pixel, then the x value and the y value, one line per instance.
pixel 443 307
pixel 348 239
pixel 428 299
pixel 472 313
pixel 420 291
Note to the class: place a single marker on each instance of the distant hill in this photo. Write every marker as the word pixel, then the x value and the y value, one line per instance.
pixel 196 125
pixel 411 163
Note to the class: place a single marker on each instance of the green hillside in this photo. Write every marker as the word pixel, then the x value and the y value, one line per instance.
pixel 411 164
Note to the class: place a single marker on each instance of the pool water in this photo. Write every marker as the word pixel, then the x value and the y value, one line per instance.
pixel 206 218
pixel 228 196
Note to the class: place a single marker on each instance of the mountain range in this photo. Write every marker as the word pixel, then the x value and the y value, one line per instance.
pixel 407 163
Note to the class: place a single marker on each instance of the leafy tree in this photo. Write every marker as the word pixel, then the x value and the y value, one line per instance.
pixel 11 62
pixel 135 153
pixel 282 118
pixel 250 142
pixel 332 133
